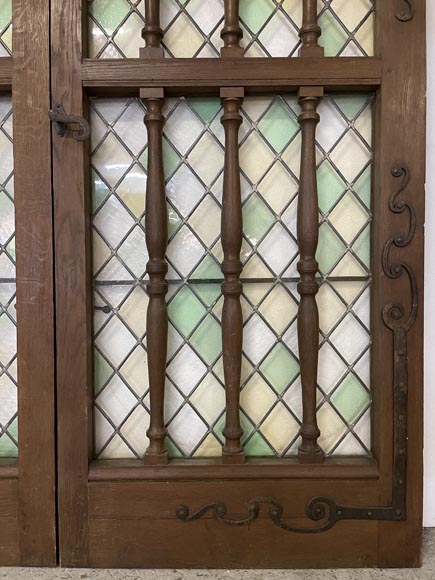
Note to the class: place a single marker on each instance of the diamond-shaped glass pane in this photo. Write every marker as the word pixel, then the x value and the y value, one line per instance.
pixel 192 27
pixel 194 162
pixel 8 334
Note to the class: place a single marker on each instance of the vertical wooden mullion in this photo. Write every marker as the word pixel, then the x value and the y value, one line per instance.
pixel 156 228
pixel 310 30
pixel 152 32
pixel 232 318
pixel 73 286
pixel 35 284
pixel 308 314
pixel 232 33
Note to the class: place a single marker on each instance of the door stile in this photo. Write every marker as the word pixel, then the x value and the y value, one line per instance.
pixel 399 180
pixel 35 286
pixel 73 288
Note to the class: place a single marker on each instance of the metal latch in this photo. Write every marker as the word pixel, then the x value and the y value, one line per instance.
pixel 61 122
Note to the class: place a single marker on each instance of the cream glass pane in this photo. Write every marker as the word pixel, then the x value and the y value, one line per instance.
pixel 8 335
pixel 194 162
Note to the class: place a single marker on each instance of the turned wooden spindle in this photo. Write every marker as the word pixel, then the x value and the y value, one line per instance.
pixel 310 30
pixel 232 33
pixel 232 318
pixel 152 32
pixel 308 314
pixel 157 240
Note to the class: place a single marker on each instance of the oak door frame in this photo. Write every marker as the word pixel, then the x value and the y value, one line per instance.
pixel 117 513
pixel 27 486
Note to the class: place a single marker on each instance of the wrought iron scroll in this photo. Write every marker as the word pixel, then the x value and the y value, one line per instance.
pixel 407 13
pixel 325 510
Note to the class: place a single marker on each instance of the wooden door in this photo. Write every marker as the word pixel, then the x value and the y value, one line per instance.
pixel 27 366
pixel 261 405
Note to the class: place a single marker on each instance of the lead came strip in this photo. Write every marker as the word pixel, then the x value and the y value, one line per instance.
pixel 232 318
pixel 308 235
pixel 152 32
pixel 156 228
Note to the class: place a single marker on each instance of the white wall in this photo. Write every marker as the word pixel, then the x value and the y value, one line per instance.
pixel 429 478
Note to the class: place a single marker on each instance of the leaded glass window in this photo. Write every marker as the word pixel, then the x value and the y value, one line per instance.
pixel 270 162
pixel 8 335
pixel 192 27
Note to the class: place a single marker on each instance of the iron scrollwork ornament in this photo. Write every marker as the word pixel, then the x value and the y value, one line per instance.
pixel 324 511
pixel 407 12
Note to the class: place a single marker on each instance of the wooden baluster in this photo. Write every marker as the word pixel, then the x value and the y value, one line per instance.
pixel 308 234
pixel 310 30
pixel 157 240
pixel 232 33
pixel 152 32
pixel 232 319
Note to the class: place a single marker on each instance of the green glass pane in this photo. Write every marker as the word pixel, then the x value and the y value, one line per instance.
pixel 333 36
pixel 102 372
pixel 5 13
pixel 330 186
pixel 351 105
pixel 278 126
pixel 206 108
pixel 257 219
pixel 362 247
pixel 207 270
pixel 351 398
pixel 207 340
pixel 255 14
pixel 329 250
pixel 110 13
pixel 173 451
pixel 171 160
pixel 280 367
pixel 363 187
pixel 209 293
pixel 185 311
pixel 7 447
pixel 257 447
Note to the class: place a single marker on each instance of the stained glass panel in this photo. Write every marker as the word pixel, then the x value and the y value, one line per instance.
pixel 192 27
pixel 271 391
pixel 8 336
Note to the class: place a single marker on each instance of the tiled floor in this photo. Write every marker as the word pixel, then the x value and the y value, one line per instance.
pixel 425 573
